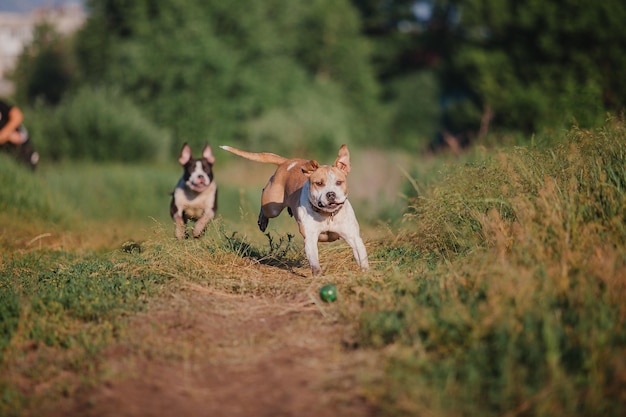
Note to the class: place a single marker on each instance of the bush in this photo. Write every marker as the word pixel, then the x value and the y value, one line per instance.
pixel 46 68
pixel 413 111
pixel 207 71
pixel 316 124
pixel 98 125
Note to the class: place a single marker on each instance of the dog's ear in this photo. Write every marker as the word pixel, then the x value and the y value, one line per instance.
pixel 207 153
pixel 343 160
pixel 310 167
pixel 185 154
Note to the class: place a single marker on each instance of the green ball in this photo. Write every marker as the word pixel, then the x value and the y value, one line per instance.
pixel 328 293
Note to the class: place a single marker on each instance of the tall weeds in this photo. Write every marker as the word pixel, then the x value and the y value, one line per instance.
pixel 521 311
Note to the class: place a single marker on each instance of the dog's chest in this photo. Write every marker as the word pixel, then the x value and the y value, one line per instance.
pixel 192 203
pixel 328 222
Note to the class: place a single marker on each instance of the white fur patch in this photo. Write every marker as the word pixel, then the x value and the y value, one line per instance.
pixel 291 165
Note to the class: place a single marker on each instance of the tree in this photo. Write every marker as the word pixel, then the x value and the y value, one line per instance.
pixel 515 65
pixel 539 64
pixel 46 69
pixel 204 69
pixel 409 37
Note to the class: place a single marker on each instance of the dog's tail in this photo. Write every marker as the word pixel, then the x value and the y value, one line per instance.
pixel 265 157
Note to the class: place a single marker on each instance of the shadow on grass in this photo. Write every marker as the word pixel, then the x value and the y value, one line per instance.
pixel 280 253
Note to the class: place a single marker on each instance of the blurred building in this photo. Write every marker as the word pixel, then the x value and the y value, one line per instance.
pixel 16 32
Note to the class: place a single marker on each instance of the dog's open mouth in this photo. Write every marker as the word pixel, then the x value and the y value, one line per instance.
pixel 330 207
pixel 198 186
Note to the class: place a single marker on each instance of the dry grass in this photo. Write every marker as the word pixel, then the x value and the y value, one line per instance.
pixel 506 297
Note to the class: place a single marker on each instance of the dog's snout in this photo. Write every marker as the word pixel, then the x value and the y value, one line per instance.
pixel 331 196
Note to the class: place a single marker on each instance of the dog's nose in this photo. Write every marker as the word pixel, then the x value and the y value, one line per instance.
pixel 331 196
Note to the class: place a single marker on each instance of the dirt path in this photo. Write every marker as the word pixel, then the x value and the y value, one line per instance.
pixel 202 353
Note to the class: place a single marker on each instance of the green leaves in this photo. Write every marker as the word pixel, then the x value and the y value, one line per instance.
pixel 542 64
pixel 203 69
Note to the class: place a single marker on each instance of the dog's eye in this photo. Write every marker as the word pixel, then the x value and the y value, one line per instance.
pixel 319 183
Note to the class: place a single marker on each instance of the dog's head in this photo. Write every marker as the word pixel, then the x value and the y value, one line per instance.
pixel 328 185
pixel 197 173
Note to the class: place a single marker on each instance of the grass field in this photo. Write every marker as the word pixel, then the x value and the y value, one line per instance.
pixel 497 286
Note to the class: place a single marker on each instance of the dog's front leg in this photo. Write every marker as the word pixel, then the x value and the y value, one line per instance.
pixel 179 226
pixel 201 223
pixel 359 251
pixel 310 249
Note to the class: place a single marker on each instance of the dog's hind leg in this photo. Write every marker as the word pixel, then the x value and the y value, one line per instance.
pixel 263 221
pixel 269 211
pixel 272 203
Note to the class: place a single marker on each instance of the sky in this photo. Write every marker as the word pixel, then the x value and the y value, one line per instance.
pixel 28 5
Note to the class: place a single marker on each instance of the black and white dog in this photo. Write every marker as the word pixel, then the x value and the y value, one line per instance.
pixel 195 195
pixel 24 152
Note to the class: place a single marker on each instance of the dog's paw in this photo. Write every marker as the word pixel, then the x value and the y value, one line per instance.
pixel 263 222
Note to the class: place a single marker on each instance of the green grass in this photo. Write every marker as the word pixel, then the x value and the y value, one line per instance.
pixel 500 292
pixel 22 193
pixel 59 311
pixel 113 191
pixel 521 311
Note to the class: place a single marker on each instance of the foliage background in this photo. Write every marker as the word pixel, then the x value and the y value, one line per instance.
pixel 313 74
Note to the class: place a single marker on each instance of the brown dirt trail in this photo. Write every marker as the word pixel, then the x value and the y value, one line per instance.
pixel 199 352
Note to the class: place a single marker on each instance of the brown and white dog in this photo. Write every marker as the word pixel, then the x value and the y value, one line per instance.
pixel 195 195
pixel 316 196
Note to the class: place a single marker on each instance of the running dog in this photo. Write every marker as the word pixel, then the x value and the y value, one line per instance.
pixel 195 195
pixel 24 152
pixel 316 196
